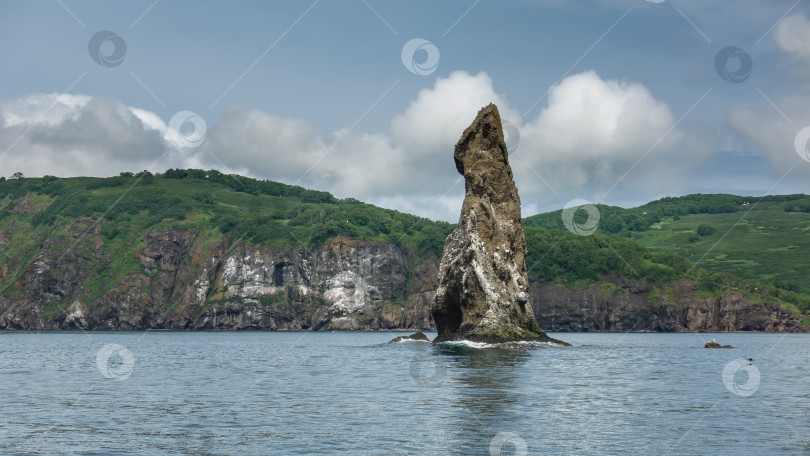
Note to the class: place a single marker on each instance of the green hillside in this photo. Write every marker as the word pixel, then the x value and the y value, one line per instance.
pixel 123 208
pixel 767 243
pixel 765 239
pixel 260 212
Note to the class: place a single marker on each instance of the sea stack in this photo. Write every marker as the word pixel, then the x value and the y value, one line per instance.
pixel 483 287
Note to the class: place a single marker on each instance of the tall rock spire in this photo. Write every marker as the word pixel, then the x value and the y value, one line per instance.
pixel 483 287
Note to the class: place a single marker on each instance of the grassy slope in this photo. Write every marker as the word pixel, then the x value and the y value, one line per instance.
pixel 759 240
pixel 272 214
pixel 766 243
pixel 135 205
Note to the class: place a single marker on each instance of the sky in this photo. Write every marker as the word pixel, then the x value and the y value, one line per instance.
pixel 609 101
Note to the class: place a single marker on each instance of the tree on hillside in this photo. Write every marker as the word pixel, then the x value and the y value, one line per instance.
pixel 705 230
pixel 17 175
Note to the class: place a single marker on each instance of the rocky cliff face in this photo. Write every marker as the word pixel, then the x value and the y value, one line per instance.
pixel 483 286
pixel 184 280
pixel 617 305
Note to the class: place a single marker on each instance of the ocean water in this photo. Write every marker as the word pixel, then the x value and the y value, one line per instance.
pixel 245 393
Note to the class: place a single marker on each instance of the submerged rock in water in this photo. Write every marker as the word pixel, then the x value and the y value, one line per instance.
pixel 418 336
pixel 714 344
pixel 483 288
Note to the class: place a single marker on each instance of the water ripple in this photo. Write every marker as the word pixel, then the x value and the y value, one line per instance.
pixel 349 393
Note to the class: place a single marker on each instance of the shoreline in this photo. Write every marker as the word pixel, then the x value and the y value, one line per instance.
pixel 386 331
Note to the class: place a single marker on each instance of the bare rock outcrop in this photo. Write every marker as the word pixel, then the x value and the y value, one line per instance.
pixel 614 304
pixel 417 336
pixel 713 344
pixel 483 287
pixel 24 206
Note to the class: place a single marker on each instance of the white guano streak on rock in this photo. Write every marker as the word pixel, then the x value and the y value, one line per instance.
pixel 201 286
pixel 347 291
pixel 480 255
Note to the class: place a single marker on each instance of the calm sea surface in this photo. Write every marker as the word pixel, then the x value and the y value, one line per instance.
pixel 349 393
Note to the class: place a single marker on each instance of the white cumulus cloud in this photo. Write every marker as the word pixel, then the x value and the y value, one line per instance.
pixel 41 109
pixel 590 132
pixel 70 135
pixel 435 120
pixel 408 168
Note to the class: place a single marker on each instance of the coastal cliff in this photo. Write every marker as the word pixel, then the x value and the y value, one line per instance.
pixel 194 249
pixel 616 305
pixel 187 280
